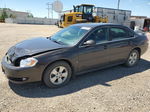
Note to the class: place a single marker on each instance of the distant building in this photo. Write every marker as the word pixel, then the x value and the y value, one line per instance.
pixel 19 17
pixel 15 14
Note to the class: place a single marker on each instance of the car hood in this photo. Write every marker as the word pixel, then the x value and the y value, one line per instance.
pixel 33 46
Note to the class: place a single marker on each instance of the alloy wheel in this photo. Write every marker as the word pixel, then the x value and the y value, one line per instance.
pixel 133 58
pixel 58 75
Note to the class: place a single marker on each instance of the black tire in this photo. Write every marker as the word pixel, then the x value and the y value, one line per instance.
pixel 47 76
pixel 128 62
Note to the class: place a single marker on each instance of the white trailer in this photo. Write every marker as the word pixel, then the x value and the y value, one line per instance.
pixel 114 15
pixel 117 16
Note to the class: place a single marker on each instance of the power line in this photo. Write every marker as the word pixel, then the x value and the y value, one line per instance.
pixel 1 3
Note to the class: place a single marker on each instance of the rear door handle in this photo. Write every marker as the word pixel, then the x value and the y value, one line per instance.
pixel 105 46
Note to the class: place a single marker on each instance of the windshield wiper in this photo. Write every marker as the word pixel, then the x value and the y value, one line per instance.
pixel 58 42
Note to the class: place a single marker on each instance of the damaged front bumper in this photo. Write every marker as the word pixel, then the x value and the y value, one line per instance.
pixel 21 74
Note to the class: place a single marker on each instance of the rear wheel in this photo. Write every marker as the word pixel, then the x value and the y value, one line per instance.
pixel 133 58
pixel 57 74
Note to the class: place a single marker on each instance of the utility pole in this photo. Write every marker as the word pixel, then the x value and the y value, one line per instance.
pixel 118 4
pixel 5 4
pixel 50 9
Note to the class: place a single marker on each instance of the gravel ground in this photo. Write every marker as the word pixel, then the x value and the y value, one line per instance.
pixel 116 89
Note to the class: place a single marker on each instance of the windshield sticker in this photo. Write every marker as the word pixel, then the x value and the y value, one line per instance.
pixel 85 28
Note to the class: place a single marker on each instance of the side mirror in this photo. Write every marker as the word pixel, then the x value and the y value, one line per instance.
pixel 89 43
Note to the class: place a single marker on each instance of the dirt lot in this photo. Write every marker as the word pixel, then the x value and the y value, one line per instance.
pixel 116 89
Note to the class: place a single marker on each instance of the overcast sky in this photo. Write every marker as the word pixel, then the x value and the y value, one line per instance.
pixel 38 7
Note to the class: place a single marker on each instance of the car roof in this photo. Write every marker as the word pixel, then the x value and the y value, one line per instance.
pixel 93 25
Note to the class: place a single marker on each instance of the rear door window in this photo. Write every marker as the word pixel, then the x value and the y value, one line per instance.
pixel 118 33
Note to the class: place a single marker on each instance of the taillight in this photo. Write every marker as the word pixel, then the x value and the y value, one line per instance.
pixel 148 36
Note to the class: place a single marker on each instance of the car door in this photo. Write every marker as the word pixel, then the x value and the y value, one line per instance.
pixel 90 57
pixel 119 46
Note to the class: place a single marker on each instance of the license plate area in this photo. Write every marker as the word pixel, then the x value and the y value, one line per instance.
pixel 4 71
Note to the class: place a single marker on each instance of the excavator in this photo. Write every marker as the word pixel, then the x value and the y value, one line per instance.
pixel 81 14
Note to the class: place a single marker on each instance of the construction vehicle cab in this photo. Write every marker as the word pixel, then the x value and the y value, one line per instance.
pixel 81 14
pixel 86 10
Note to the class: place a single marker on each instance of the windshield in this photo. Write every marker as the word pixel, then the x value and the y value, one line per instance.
pixel 70 35
pixel 88 9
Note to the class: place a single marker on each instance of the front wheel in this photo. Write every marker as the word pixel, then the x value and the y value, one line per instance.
pixel 133 58
pixel 57 74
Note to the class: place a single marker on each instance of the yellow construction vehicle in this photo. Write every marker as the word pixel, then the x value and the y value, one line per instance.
pixel 82 14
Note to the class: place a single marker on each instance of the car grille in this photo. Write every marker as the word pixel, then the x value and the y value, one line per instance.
pixel 10 55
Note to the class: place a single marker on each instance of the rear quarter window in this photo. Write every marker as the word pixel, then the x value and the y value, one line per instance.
pixel 131 34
